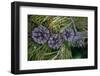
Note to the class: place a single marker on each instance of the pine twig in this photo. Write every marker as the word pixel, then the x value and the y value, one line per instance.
pixel 74 26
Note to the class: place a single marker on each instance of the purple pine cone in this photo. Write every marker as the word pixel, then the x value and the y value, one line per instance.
pixel 55 41
pixel 78 40
pixel 40 34
pixel 68 34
